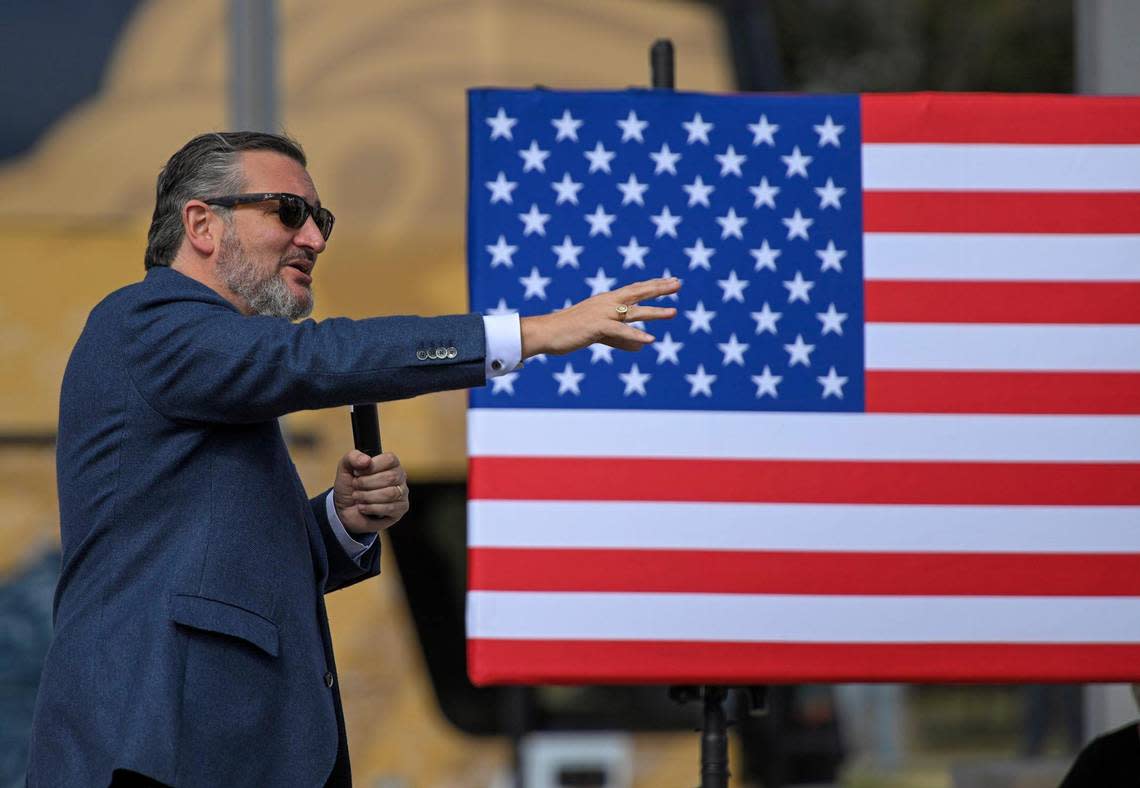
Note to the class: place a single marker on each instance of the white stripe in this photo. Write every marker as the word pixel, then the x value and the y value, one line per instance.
pixel 975 167
pixel 1057 348
pixel 961 256
pixel 728 526
pixel 800 436
pixel 802 619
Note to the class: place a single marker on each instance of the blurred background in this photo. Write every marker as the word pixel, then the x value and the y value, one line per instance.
pixel 96 96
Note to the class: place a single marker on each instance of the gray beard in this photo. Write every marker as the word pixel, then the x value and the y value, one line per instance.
pixel 266 294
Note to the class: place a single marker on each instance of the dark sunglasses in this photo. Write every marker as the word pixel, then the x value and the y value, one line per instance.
pixel 292 209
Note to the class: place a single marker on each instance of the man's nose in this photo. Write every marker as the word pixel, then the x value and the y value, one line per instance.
pixel 309 236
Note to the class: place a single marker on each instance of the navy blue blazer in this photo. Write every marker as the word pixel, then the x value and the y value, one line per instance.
pixel 191 639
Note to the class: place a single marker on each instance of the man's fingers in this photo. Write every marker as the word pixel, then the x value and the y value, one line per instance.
pixel 382 495
pixel 646 289
pixel 650 313
pixel 376 481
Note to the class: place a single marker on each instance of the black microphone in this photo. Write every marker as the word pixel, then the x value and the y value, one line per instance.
pixel 366 428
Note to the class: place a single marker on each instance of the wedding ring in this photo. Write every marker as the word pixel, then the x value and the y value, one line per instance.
pixel 622 311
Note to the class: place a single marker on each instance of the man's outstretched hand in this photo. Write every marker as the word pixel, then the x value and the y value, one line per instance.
pixel 599 320
pixel 370 493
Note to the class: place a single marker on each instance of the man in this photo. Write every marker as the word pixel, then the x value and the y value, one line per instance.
pixel 191 639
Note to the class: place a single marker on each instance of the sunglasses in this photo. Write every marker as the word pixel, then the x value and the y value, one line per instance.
pixel 292 209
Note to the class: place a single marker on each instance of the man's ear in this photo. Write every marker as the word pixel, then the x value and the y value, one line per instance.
pixel 202 226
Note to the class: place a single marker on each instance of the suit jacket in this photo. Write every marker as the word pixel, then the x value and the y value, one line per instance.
pixel 191 639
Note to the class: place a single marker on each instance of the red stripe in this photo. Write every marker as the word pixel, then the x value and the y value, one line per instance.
pixel 671 662
pixel 1002 392
pixel 894 301
pixel 1000 212
pixel 641 479
pixel 982 118
pixel 801 572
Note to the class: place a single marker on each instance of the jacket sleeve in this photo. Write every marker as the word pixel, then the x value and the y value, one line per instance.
pixel 199 359
pixel 343 571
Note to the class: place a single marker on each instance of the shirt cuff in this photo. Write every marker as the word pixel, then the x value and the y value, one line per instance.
pixel 504 343
pixel 352 546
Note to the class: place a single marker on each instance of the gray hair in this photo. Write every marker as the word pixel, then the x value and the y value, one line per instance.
pixel 207 166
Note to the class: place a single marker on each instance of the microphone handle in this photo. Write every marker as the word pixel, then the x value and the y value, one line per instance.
pixel 366 428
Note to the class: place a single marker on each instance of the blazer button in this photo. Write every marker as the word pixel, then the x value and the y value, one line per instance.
pixel 452 352
pixel 441 352
pixel 329 679
pixel 421 355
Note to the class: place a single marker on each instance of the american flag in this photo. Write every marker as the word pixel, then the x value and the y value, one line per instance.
pixel 893 432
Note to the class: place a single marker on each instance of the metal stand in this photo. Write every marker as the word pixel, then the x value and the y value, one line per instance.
pixel 714 733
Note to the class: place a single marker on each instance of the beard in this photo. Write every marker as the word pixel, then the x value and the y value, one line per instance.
pixel 267 293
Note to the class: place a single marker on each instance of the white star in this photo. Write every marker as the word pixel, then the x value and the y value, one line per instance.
pixel 600 283
pixel 633 254
pixel 567 127
pixel 632 190
pixel 600 221
pixel 766 383
pixel 535 284
pixel 666 275
pixel 666 222
pixel 733 287
pixel 766 319
pixel 700 319
pixel 567 189
pixel 600 158
pixel 731 224
pixel 568 379
pixel 765 256
pixel 534 157
pixel 501 188
pixel 504 382
pixel 699 255
pixel 798 225
pixel 733 351
pixel 634 381
pixel 830 257
pixel 667 349
pixel 797 163
pixel 730 162
pixel 501 253
pixel 799 352
pixel 798 288
pixel 829 194
pixel 763 131
pixel 631 127
pixel 665 160
pixel 698 129
pixel 829 132
pixel 700 382
pixel 567 253
pixel 501 309
pixel 832 320
pixel 764 193
pixel 699 192
pixel 501 125
pixel 600 352
pixel 534 221
pixel 832 384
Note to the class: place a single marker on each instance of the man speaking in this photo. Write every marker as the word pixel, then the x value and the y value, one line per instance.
pixel 191 640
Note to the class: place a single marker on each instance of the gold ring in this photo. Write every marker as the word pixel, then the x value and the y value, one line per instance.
pixel 622 311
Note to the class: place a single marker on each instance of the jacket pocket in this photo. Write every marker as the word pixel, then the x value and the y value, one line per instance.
pixel 212 615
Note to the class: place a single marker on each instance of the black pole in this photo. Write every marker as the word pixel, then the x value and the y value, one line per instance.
pixel 661 64
pixel 714 740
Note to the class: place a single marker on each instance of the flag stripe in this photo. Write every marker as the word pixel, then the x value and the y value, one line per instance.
pixel 496 661
pixel 503 432
pixel 799 527
pixel 801 618
pixel 1020 168
pixel 811 573
pixel 916 391
pixel 1000 212
pixel 1042 348
pixel 1011 119
pixel 562 479
pixel 1002 302
pixel 961 256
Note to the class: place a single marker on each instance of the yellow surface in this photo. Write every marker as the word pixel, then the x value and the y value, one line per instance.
pixel 375 90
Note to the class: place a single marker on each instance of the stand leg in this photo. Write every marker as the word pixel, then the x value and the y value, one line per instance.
pixel 714 740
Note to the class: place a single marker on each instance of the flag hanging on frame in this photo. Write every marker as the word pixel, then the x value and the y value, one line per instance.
pixel 893 432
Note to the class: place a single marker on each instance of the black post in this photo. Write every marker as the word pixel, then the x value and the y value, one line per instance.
pixel 714 740
pixel 661 70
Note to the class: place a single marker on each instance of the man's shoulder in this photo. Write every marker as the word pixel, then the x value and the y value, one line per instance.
pixel 161 286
